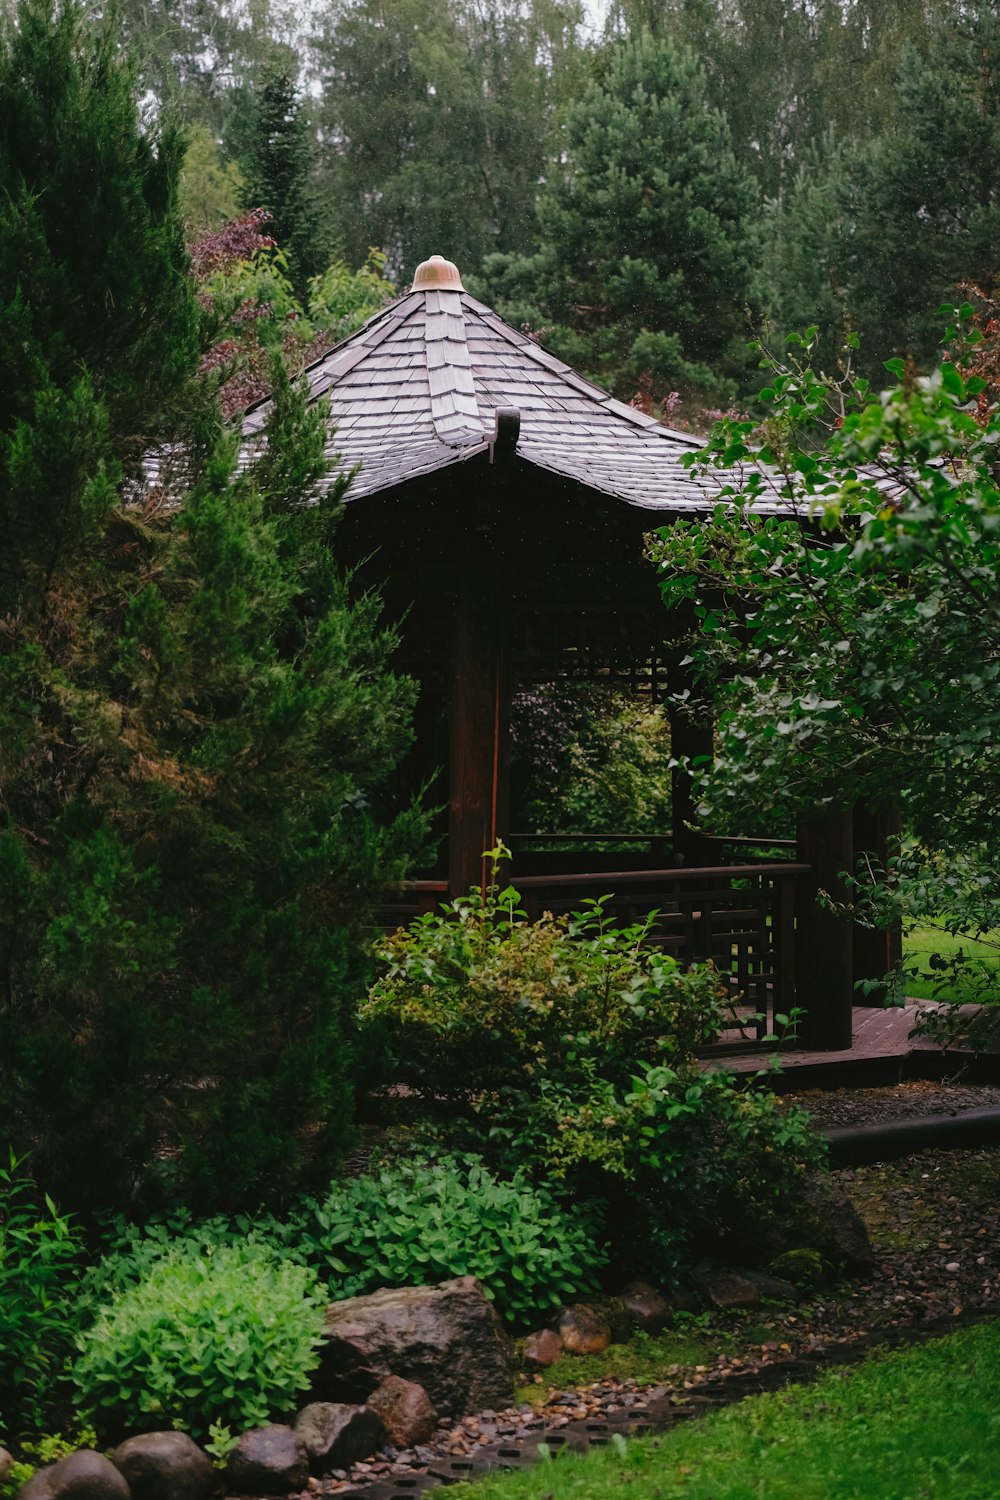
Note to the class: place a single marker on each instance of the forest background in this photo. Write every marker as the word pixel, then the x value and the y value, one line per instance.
pixel 645 194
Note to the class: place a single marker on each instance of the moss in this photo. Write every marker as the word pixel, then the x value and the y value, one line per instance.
pixel 803 1268
pixel 648 1361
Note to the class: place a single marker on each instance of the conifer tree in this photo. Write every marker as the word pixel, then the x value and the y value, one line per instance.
pixel 279 170
pixel 647 257
pixel 196 721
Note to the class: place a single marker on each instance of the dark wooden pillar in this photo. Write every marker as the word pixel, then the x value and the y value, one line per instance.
pixel 824 975
pixel 879 949
pixel 480 724
pixel 691 735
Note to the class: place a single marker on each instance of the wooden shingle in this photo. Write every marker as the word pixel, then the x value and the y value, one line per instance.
pixel 417 387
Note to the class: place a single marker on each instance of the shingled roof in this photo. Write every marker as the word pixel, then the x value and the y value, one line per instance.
pixel 418 387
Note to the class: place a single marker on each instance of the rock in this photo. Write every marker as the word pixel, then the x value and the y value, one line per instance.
pixel 583 1330
pixel 165 1466
pixel 648 1310
pixel 267 1461
pixel 616 1315
pixel 336 1435
pixel 542 1348
pixel 819 1216
pixel 723 1286
pixel 774 1288
pixel 84 1475
pixel 406 1411
pixel 37 1487
pixel 446 1338
pixel 6 1465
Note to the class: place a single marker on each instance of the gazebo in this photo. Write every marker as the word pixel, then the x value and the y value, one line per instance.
pixel 499 504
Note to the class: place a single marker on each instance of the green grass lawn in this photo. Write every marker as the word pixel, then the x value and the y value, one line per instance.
pixel 918 946
pixel 918 1424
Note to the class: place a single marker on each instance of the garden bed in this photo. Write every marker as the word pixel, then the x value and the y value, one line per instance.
pixel 933 1219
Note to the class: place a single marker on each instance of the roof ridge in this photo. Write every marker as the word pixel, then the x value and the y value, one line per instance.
pixel 454 407
pixel 549 361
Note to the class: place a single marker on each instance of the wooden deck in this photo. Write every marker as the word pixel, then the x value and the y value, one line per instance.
pixel 882 1051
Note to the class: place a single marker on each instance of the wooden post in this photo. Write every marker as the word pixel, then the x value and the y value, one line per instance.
pixel 480 724
pixel 824 976
pixel 879 949
pixel 691 735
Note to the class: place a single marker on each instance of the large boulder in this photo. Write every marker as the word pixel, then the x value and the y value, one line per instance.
pixel 446 1338
pixel 335 1435
pixel 267 1461
pixel 84 1475
pixel 165 1466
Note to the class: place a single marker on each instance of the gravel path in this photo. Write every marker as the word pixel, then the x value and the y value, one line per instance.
pixel 901 1101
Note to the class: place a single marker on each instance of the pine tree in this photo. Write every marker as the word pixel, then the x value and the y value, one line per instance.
pixel 648 255
pixel 925 202
pixel 197 723
pixel 279 171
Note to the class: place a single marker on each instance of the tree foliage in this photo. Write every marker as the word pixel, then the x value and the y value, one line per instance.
pixel 438 113
pixel 196 719
pixel 856 645
pixel 279 171
pixel 646 262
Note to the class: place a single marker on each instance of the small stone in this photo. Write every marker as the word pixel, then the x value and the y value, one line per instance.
pixel 542 1348
pixel 267 1460
pixel 165 1466
pixel 84 1475
pixel 953 1265
pixel 723 1287
pixel 649 1310
pixel 583 1330
pixel 405 1411
pixel 334 1434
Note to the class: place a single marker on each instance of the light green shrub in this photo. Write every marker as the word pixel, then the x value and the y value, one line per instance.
pixel 225 1336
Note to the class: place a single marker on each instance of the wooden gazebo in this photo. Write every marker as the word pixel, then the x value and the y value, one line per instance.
pixel 499 504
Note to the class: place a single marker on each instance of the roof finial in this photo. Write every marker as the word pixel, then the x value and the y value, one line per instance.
pixel 437 274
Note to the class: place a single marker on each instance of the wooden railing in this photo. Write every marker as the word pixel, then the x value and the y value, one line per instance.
pixel 742 917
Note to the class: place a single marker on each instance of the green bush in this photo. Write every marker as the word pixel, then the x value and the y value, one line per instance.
pixel 478 998
pixel 419 1222
pixel 229 1335
pixel 676 1153
pixel 131 1251
pixel 40 1261
pixel 566 1049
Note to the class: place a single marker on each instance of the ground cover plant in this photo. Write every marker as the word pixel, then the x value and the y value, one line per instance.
pixel 914 1422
